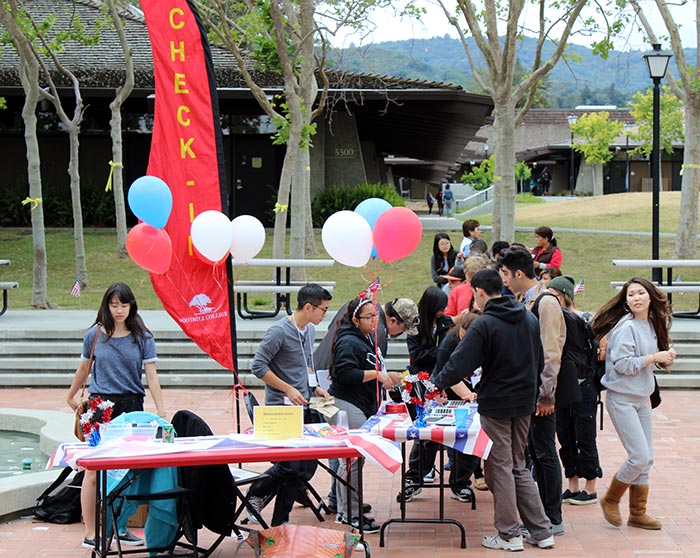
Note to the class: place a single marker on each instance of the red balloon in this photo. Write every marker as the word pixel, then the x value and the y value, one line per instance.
pixel 397 233
pixel 150 248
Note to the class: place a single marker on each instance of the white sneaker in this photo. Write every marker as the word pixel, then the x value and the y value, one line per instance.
pixel 497 543
pixel 544 543
pixel 257 503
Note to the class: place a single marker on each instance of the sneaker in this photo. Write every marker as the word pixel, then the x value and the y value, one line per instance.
pixel 448 466
pixel 409 492
pixel 129 539
pixel 558 528
pixel 90 543
pixel 464 495
pixel 257 503
pixel 583 498
pixel 332 507
pixel 368 524
pixel 480 483
pixel 544 543
pixel 567 496
pixel 430 477
pixel 497 543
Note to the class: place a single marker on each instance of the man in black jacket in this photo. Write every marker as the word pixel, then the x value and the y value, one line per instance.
pixel 505 342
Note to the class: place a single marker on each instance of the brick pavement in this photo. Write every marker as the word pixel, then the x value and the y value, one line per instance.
pixel 674 493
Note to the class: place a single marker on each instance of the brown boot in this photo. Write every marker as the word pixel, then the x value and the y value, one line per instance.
pixel 638 509
pixel 611 501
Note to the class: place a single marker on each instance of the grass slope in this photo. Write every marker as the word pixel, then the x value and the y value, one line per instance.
pixel 585 256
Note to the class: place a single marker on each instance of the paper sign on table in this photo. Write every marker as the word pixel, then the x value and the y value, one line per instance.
pixel 278 422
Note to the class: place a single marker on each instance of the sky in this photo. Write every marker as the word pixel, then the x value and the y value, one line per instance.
pixel 389 27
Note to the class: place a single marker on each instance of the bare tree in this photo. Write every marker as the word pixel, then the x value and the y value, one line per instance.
pixel 115 127
pixel 287 30
pixel 689 92
pixel 10 15
pixel 496 27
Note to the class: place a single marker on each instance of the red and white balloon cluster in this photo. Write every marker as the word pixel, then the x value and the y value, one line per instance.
pixel 213 235
pixel 374 229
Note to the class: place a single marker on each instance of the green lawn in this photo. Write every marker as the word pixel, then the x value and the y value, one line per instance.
pixel 585 256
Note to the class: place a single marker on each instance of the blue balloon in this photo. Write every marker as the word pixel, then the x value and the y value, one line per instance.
pixel 371 209
pixel 151 200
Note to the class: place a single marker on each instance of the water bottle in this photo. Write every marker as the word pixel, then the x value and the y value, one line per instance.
pixel 341 421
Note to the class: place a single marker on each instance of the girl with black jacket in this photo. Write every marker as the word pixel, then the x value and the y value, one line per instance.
pixel 433 328
pixel 357 367
pixel 443 258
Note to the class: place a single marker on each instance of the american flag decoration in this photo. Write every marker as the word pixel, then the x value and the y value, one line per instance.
pixel 579 288
pixel 75 291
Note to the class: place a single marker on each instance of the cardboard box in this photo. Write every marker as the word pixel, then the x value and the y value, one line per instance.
pixel 139 518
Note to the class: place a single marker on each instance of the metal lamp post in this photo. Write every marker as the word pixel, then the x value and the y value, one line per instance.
pixel 486 151
pixel 657 64
pixel 627 129
pixel 572 118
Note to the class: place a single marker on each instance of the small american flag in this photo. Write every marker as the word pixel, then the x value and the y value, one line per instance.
pixel 580 287
pixel 75 291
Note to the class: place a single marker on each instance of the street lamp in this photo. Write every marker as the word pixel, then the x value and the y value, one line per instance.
pixel 486 151
pixel 627 129
pixel 657 64
pixel 572 118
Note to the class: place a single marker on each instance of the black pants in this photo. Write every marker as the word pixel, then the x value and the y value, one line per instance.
pixel 285 481
pixel 546 470
pixel 576 430
pixel 422 460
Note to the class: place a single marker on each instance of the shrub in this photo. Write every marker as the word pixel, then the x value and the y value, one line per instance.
pixel 338 198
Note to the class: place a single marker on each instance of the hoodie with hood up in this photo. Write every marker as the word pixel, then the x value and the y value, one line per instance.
pixel 505 342
pixel 352 354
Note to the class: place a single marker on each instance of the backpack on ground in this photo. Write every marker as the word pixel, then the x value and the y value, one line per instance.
pixel 579 358
pixel 64 506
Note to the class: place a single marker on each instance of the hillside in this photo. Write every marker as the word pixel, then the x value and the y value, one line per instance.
pixel 444 59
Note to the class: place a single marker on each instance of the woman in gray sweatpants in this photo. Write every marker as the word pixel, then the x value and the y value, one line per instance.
pixel 636 322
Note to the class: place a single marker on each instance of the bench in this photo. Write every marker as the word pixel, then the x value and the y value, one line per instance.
pixel 281 287
pixel 6 286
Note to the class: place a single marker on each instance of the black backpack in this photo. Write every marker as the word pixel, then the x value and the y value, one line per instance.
pixel 64 506
pixel 581 346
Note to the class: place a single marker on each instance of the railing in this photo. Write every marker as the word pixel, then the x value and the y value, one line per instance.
pixel 476 199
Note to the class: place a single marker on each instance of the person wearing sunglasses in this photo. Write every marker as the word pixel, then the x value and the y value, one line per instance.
pixel 394 318
pixel 357 368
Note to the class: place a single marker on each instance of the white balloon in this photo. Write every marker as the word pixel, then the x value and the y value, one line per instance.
pixel 247 238
pixel 211 235
pixel 347 237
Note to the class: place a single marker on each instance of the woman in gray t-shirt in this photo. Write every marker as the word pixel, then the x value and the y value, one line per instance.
pixel 124 348
pixel 637 322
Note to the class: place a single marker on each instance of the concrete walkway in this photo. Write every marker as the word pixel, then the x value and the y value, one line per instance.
pixel 674 492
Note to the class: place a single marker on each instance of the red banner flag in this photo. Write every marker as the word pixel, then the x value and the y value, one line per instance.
pixel 186 152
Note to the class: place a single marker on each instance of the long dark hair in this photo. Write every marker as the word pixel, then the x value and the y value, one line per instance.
pixel 133 321
pixel 451 255
pixel 433 301
pixel 616 308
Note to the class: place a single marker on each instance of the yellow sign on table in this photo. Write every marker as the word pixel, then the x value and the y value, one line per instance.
pixel 278 422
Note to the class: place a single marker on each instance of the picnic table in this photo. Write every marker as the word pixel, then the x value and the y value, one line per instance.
pixel 669 286
pixel 280 285
pixel 6 286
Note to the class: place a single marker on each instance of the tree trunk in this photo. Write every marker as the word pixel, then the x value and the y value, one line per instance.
pixel 30 83
pixel 280 235
pixel 504 165
pixel 297 236
pixel 686 239
pixel 115 130
pixel 74 173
